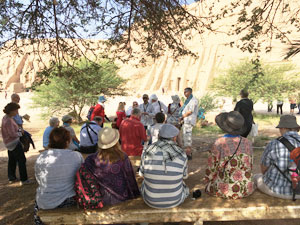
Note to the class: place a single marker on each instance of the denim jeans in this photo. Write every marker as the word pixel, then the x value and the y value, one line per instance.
pixel 15 157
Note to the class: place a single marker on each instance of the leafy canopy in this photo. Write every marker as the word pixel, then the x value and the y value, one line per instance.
pixel 80 85
pixel 263 81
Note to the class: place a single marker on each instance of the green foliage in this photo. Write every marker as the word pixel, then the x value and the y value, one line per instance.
pixel 263 81
pixel 79 85
pixel 208 102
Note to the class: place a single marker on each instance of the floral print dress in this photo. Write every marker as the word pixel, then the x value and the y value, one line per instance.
pixel 231 180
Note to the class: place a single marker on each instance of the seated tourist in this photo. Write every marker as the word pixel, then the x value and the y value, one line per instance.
pixel 107 175
pixel 133 133
pixel 271 181
pixel 55 171
pixel 53 123
pixel 89 135
pixel 154 129
pixel 74 142
pixel 164 166
pixel 229 167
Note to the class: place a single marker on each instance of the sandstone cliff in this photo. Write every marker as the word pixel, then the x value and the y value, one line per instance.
pixel 165 72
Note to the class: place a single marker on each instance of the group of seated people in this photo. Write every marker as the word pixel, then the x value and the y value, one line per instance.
pixel 106 177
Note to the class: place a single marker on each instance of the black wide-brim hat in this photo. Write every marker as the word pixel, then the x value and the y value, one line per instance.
pixel 231 123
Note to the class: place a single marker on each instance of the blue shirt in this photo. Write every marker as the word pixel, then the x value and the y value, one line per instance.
pixel 277 153
pixel 46 136
pixel 18 119
pixel 93 130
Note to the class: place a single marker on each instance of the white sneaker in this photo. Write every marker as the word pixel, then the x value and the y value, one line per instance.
pixel 26 182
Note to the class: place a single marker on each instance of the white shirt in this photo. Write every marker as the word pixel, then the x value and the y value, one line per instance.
pixel 147 119
pixel 192 106
pixel 154 131
pixel 159 107
pixel 93 129
pixel 128 111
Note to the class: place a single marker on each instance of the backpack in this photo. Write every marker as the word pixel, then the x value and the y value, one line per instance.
pixel 200 114
pixel 295 157
pixel 26 140
pixel 169 108
pixel 87 189
pixel 89 114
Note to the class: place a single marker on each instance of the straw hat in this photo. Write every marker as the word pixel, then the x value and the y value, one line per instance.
pixel 26 117
pixel 288 121
pixel 231 123
pixel 108 137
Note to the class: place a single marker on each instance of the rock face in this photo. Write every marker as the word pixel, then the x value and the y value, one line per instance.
pixel 164 73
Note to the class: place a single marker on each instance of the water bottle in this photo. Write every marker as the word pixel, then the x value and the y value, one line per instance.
pixel 293 173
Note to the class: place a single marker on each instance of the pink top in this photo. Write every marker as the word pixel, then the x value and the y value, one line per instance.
pixel 9 130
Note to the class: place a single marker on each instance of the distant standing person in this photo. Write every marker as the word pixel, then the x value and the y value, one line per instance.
pixel 121 115
pixel 245 107
pixel 158 106
pixel 132 133
pixel 298 103
pixel 292 101
pixel 188 114
pixel 11 134
pixel 147 111
pixel 173 111
pixel 15 98
pixel 279 106
pixel 100 109
pixel 135 104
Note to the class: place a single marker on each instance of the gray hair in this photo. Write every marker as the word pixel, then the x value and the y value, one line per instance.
pixel 53 121
pixel 136 112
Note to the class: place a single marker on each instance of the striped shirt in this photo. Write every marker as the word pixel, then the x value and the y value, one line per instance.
pixel 163 185
pixel 277 153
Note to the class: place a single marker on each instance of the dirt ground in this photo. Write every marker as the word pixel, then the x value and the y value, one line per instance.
pixel 16 202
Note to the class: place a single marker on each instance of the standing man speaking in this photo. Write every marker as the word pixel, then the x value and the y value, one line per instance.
pixel 188 113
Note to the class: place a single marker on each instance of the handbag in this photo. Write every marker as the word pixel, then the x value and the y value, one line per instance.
pixel 254 130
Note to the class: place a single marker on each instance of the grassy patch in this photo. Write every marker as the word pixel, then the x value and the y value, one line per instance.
pixel 210 130
pixel 266 119
pixel 261 141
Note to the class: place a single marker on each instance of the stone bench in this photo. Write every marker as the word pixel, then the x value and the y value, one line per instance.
pixel 258 206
